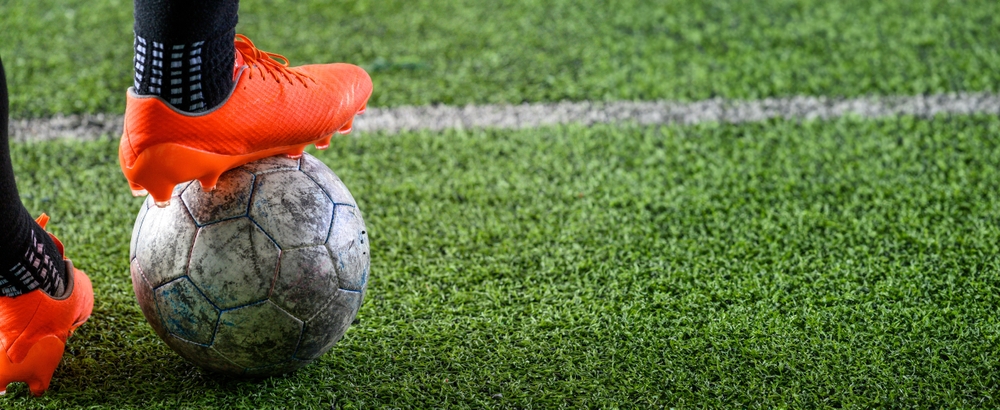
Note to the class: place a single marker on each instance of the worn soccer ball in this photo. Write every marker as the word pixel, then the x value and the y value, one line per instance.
pixel 258 277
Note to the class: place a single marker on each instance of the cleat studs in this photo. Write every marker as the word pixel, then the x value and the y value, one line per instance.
pixel 139 192
pixel 363 108
pixel 37 387
pixel 324 143
pixel 208 183
pixel 346 129
pixel 295 153
pixel 162 204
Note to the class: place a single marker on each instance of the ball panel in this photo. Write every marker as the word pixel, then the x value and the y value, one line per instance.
pixel 184 312
pixel 305 276
pixel 144 294
pixel 207 357
pixel 234 263
pixel 229 199
pixel 271 164
pixel 348 244
pixel 163 246
pixel 292 208
pixel 326 179
pixel 257 335
pixel 329 325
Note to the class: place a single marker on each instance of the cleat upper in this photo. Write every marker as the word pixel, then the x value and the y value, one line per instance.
pixel 273 109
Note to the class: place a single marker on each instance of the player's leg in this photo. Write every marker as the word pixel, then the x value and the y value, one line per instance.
pixel 42 297
pixel 198 108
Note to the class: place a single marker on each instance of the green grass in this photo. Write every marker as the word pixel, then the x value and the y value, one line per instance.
pixel 848 263
pixel 68 56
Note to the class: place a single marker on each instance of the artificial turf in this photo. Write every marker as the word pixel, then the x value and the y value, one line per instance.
pixel 820 264
pixel 71 56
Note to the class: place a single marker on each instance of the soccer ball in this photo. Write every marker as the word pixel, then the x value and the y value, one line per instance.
pixel 258 277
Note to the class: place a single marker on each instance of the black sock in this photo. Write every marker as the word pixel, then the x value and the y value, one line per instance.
pixel 184 51
pixel 29 258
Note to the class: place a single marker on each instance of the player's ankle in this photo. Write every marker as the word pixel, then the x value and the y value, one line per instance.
pixel 30 260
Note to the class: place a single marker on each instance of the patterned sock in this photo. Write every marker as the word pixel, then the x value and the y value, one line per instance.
pixel 29 258
pixel 184 51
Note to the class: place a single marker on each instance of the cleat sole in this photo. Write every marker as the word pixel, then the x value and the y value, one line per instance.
pixel 155 169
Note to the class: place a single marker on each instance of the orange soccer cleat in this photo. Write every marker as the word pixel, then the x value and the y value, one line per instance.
pixel 273 109
pixel 34 328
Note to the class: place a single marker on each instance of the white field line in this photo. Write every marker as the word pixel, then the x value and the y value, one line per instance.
pixel 436 118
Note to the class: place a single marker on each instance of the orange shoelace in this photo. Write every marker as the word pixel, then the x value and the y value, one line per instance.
pixel 266 62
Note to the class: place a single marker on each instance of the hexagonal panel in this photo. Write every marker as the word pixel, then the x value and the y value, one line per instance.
pixel 330 182
pixel 135 231
pixel 306 279
pixel 185 313
pixel 163 245
pixel 292 208
pixel 257 335
pixel 271 164
pixel 348 244
pixel 206 357
pixel 329 325
pixel 229 199
pixel 233 262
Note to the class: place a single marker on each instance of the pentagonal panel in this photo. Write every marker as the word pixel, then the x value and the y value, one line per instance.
pixel 348 244
pixel 292 208
pixel 135 231
pixel 306 279
pixel 206 357
pixel 326 179
pixel 229 199
pixel 163 246
pixel 185 313
pixel 257 335
pixel 329 325
pixel 233 262
pixel 271 164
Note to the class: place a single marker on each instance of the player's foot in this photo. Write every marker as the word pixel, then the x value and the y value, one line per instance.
pixel 34 327
pixel 273 109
